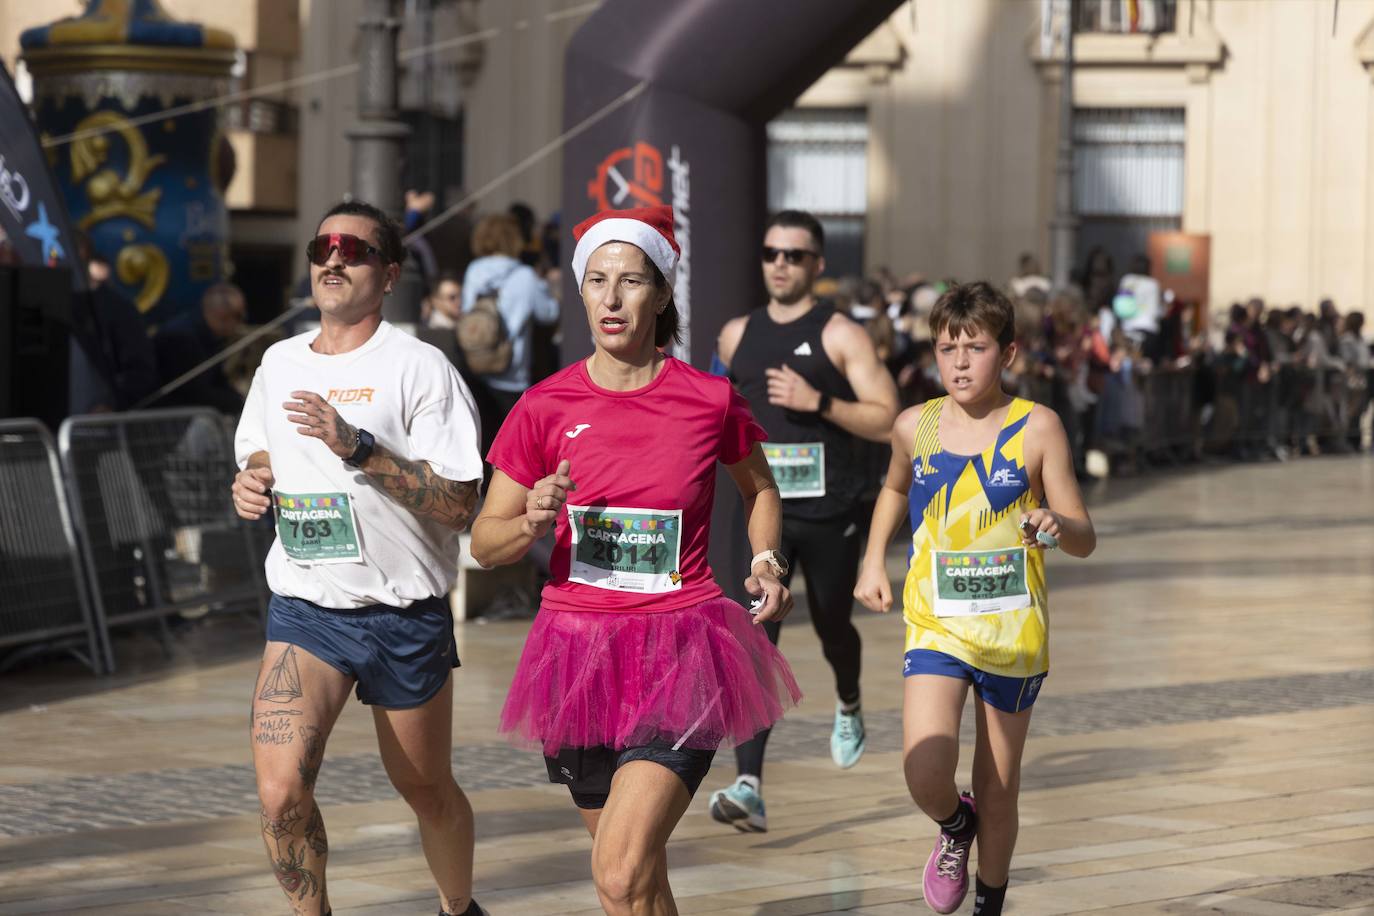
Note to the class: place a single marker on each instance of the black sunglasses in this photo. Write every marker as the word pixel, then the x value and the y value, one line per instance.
pixel 794 256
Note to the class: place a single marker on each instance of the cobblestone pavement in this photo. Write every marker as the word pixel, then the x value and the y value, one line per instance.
pixel 168 795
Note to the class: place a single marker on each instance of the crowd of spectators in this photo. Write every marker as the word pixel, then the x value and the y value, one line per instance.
pixel 1138 376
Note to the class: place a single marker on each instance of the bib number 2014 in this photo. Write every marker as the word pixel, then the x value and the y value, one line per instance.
pixel 626 549
pixel 612 554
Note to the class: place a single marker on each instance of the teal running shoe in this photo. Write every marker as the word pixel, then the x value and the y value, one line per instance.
pixel 847 739
pixel 740 806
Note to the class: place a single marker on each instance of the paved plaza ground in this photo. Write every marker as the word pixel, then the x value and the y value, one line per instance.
pixel 1204 744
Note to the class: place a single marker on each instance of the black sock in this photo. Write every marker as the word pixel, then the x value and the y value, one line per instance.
pixel 987 901
pixel 962 823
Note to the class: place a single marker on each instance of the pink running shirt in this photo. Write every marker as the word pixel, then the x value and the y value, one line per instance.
pixel 644 463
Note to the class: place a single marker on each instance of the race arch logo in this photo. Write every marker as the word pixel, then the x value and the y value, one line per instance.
pixel 634 176
pixel 631 176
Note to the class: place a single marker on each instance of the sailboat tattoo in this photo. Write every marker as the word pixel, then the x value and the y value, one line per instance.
pixel 283 682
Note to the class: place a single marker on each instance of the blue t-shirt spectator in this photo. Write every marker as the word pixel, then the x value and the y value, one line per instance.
pixel 522 297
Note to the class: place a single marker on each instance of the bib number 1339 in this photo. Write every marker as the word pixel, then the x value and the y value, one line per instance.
pixel 626 550
pixel 798 468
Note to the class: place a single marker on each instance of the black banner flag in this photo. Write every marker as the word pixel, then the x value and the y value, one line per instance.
pixel 32 212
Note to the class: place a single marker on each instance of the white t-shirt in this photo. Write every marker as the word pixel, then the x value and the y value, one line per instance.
pixel 407 394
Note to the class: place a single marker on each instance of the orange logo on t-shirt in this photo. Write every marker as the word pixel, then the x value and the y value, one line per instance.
pixel 350 395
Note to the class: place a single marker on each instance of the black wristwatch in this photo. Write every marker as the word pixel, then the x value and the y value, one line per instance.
pixel 824 404
pixel 362 450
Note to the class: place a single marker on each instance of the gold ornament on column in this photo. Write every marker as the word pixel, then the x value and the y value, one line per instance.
pixel 109 195
pixel 144 264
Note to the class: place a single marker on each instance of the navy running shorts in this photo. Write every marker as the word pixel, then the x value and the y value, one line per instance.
pixel 1009 694
pixel 400 657
pixel 587 771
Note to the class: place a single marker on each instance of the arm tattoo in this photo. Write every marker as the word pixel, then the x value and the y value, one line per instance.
pixel 346 433
pixel 415 486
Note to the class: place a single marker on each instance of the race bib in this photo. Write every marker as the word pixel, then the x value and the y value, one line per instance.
pixel 798 467
pixel 966 583
pixel 626 550
pixel 318 527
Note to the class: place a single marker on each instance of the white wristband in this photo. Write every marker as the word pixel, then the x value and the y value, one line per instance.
pixel 766 556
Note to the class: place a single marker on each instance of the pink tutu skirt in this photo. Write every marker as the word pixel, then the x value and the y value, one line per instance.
pixel 701 677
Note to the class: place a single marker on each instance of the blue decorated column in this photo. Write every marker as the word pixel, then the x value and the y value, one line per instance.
pixel 148 190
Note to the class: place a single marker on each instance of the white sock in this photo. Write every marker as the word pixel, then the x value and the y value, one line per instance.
pixel 752 782
pixel 848 708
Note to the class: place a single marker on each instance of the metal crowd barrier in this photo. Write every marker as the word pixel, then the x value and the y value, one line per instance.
pixel 1170 415
pixel 44 601
pixel 158 531
pixel 1297 407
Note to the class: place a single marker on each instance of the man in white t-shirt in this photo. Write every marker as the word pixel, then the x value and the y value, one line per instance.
pixel 363 441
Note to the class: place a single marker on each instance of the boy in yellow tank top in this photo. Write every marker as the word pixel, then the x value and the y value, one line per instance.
pixel 988 482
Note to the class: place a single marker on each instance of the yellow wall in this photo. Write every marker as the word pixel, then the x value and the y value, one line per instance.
pixel 1279 154
pixel 516 103
pixel 1278 151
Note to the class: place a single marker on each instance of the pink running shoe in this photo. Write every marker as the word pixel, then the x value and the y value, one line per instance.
pixel 945 883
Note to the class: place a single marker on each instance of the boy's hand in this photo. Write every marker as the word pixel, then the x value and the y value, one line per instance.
pixel 1038 520
pixel 873 590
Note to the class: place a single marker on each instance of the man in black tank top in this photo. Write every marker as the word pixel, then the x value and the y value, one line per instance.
pixel 816 385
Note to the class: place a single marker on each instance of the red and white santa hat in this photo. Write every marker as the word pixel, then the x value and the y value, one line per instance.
pixel 650 229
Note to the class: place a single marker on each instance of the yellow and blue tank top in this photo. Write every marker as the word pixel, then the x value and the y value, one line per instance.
pixel 974 503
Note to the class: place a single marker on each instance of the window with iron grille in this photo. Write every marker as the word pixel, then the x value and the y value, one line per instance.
pixel 1128 178
pixel 818 161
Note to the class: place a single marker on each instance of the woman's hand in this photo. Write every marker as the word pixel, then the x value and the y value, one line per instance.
pixel 873 589
pixel 777 600
pixel 546 499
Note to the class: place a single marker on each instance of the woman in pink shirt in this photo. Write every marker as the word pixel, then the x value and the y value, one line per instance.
pixel 637 668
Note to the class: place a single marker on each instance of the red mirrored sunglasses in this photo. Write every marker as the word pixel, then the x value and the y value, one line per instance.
pixel 352 249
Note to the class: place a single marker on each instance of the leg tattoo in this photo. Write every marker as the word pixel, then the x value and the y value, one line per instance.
pixel 309 766
pixel 293 876
pixel 298 867
pixel 314 833
pixel 285 825
pixel 283 682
